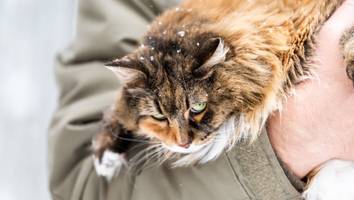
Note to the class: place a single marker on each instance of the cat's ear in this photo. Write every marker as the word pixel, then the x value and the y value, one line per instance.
pixel 125 69
pixel 211 53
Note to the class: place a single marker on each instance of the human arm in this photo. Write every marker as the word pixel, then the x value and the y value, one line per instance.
pixel 316 123
pixel 105 30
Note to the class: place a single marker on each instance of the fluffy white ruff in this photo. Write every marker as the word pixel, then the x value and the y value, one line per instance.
pixel 335 180
pixel 110 165
pixel 224 139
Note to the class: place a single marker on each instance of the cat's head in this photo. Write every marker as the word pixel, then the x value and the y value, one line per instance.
pixel 185 93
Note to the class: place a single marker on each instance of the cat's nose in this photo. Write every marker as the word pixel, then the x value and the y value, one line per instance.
pixel 185 145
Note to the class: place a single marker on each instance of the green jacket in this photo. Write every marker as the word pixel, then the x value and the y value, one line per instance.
pixel 109 29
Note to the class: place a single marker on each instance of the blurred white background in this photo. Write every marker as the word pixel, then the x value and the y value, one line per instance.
pixel 31 33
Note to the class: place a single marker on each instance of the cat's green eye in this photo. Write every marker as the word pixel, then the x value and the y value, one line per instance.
pixel 198 107
pixel 159 117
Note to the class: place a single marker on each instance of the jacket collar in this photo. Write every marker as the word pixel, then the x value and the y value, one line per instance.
pixel 256 167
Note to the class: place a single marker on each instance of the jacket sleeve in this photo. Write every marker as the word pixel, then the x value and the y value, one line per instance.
pixel 105 30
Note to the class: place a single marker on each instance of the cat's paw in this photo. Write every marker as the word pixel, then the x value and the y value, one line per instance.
pixel 335 180
pixel 110 164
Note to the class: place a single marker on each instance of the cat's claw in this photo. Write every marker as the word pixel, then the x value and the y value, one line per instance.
pixel 110 164
pixel 334 181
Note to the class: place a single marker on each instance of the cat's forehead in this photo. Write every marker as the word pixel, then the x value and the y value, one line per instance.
pixel 179 45
pixel 181 54
pixel 179 92
pixel 174 67
pixel 175 41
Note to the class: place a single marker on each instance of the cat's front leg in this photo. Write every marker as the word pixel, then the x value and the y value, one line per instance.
pixel 109 148
pixel 347 47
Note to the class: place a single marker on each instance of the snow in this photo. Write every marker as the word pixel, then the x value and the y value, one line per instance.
pixel 181 33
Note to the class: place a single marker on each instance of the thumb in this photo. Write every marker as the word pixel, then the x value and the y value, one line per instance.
pixel 328 50
pixel 341 20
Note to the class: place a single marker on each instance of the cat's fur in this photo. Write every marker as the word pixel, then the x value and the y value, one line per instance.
pixel 241 57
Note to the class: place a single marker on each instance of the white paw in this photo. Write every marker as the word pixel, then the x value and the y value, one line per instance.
pixel 110 165
pixel 334 181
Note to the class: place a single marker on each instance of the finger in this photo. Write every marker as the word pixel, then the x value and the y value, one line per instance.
pixel 328 50
pixel 341 20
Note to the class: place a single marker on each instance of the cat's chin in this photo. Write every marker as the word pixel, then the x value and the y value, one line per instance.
pixel 193 148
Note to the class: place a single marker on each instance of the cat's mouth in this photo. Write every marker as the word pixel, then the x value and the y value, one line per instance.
pixel 209 150
pixel 191 149
pixel 213 137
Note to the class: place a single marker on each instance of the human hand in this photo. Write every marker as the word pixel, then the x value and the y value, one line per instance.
pixel 317 123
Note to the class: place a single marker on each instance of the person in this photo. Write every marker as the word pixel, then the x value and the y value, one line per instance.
pixel 110 29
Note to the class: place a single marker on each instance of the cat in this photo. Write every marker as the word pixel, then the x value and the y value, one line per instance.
pixel 207 76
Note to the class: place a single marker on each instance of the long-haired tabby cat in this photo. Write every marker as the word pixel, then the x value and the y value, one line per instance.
pixel 208 74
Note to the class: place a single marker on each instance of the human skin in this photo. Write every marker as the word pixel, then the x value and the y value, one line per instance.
pixel 316 124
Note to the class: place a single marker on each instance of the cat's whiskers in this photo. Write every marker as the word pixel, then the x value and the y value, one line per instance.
pixel 148 155
pixel 135 140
